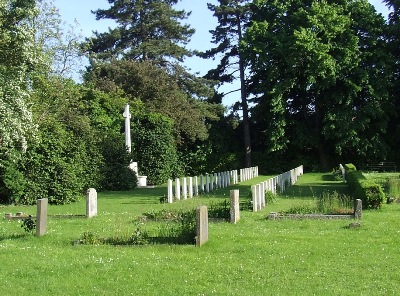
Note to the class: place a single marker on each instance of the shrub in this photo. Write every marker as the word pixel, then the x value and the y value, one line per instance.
pixel 116 172
pixel 349 167
pixel 270 197
pixel 155 148
pixel 220 210
pixel 369 192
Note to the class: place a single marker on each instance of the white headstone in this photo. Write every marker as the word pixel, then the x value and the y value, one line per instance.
pixel 177 189
pixel 190 187
pixel 91 203
pixel 196 186
pixel 170 192
pixel 184 188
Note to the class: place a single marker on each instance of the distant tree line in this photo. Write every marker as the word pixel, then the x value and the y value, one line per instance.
pixel 319 85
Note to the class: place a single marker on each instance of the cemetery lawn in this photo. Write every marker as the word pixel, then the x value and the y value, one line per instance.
pixel 254 257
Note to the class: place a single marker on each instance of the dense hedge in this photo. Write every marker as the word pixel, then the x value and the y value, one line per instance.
pixel 155 148
pixel 79 144
pixel 369 192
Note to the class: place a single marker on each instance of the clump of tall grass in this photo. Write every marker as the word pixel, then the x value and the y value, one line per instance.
pixel 393 189
pixel 327 203
pixel 334 203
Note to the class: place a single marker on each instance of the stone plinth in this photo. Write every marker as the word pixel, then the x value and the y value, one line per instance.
pixel 141 181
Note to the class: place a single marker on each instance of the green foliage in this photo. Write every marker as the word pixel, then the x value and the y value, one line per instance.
pixel 368 191
pixel 349 167
pixel 301 209
pixel 17 59
pixel 29 225
pixel 335 203
pixel 160 92
pixel 182 230
pixel 320 76
pixel 220 210
pixel 115 170
pixel 270 197
pixel 79 145
pixel 138 237
pixel 145 30
pixel 393 189
pixel 154 148
pixel 233 18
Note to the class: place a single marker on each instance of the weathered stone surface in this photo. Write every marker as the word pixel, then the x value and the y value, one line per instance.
pixel 170 192
pixel 254 193
pixel 91 203
pixel 235 208
pixel 196 186
pixel 177 189
pixel 201 225
pixel 190 187
pixel 184 188
pixel 41 216
pixel 358 209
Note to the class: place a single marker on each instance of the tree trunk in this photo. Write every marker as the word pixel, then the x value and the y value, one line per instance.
pixel 243 96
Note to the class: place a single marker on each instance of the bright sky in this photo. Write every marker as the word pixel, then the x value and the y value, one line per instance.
pixel 201 19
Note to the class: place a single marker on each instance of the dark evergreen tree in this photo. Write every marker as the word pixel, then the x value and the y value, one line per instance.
pixel 232 18
pixel 393 43
pixel 147 30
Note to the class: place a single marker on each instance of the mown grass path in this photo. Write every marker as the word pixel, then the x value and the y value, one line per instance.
pixel 254 257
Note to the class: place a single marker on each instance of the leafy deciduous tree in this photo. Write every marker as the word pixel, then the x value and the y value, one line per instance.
pixel 319 72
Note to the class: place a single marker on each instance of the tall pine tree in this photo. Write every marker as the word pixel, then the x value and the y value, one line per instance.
pixel 232 18
pixel 147 30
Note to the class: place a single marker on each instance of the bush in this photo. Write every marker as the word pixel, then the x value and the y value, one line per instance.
pixel 155 148
pixel 349 167
pixel 369 192
pixel 116 172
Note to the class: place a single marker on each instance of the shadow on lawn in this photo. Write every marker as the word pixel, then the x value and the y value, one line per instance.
pixel 315 189
pixel 12 236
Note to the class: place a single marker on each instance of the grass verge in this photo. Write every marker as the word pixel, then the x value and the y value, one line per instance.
pixel 255 256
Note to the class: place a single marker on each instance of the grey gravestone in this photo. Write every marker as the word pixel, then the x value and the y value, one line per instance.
pixel 235 209
pixel 41 217
pixel 207 183
pixel 201 225
pixel 91 203
pixel 358 209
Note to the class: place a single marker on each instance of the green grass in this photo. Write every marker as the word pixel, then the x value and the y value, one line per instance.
pixel 254 257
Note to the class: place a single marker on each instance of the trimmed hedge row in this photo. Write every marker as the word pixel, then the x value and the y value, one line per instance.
pixel 369 192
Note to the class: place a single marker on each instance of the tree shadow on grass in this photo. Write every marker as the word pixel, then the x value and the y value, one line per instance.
pixel 12 236
pixel 315 189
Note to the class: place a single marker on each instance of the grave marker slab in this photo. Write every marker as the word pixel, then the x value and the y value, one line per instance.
pixel 201 225
pixel 91 203
pixel 235 209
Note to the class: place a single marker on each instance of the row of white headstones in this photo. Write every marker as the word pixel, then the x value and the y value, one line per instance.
pixel 193 186
pixel 272 185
